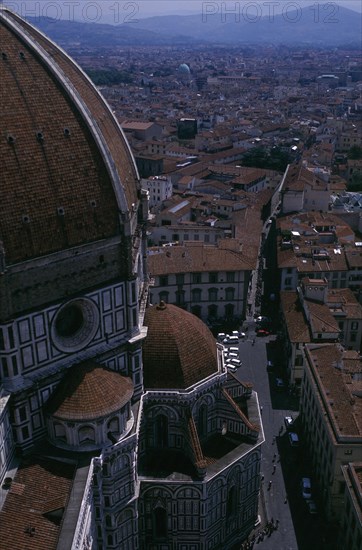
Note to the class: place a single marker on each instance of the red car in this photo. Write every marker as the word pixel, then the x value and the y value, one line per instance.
pixel 262 332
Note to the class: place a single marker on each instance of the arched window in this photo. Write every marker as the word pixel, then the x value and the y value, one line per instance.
pixel 159 521
pixel 212 311
pixel 229 294
pixel 161 439
pixel 202 420
pixel 213 294
pixel 59 431
pixel 86 435
pixel 196 294
pixel 229 310
pixel 180 297
pixel 231 501
pixel 113 425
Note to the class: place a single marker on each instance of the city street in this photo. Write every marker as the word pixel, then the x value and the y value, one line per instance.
pixel 282 465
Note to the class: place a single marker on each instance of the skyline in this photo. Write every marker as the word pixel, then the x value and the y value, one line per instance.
pixel 117 12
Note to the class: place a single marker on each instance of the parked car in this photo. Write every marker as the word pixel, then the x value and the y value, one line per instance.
pixel 306 485
pixel 231 340
pixel 262 332
pixel 279 384
pixel 233 349
pixel 288 421
pixel 270 365
pixel 293 439
pixel 262 319
pixel 311 506
pixel 236 362
pixel 221 336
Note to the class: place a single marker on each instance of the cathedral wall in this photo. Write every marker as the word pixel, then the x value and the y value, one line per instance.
pixel 42 281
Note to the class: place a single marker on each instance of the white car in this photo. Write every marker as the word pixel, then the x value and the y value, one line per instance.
pixel 306 485
pixel 293 439
pixel 288 421
pixel 312 507
pixel 235 362
pixel 231 340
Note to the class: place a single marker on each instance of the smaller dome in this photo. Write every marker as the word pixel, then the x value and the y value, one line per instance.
pixel 183 68
pixel 179 350
pixel 89 391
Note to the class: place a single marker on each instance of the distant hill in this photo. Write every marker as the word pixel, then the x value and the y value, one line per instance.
pixel 320 25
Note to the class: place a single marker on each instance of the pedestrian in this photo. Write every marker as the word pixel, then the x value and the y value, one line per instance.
pixel 274 456
pixel 269 485
pixel 286 499
pixel 274 468
pixel 261 409
pixel 262 477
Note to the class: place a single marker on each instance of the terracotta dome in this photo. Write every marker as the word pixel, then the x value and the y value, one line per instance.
pixel 179 350
pixel 89 391
pixel 67 172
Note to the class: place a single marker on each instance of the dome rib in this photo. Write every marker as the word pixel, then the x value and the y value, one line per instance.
pixel 179 350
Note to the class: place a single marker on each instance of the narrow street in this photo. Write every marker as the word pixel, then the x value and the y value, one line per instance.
pixel 282 465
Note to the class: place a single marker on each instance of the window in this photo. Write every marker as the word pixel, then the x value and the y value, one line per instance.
pixel 231 501
pixel 230 276
pixel 159 522
pixel 180 297
pixel 207 238
pixel 86 434
pixel 229 294
pixel 161 431
pixel 213 294
pixel 212 311
pixel 180 278
pixel 196 278
pixel 163 297
pixel 22 414
pixel 59 431
pixel 196 237
pixel 288 281
pixel 4 365
pixel 175 237
pixel 186 237
pixel 353 337
pixel 202 420
pixel 163 280
pixel 229 311
pixel 25 433
pixel 354 325
pixel 213 277
pixel 196 294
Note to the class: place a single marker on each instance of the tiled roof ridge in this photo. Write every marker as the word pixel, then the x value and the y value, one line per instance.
pixel 239 411
pixel 195 441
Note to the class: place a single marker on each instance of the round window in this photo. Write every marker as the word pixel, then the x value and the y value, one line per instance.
pixel 75 325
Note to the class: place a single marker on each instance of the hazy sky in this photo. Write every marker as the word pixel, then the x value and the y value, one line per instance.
pixel 121 11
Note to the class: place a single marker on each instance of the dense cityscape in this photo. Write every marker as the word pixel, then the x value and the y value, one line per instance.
pixel 180 294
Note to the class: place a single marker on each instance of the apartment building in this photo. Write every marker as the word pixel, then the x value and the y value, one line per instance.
pixel 315 313
pixel 207 280
pixel 330 414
